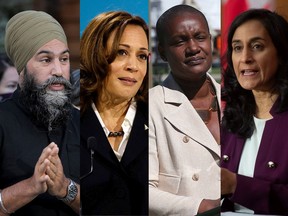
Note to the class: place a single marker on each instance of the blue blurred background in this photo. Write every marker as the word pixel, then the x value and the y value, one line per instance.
pixel 90 8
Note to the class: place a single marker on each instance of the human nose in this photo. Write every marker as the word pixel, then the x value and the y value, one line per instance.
pixel 192 47
pixel 246 56
pixel 132 64
pixel 57 68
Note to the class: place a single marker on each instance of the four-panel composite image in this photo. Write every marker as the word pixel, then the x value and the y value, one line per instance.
pixel 152 107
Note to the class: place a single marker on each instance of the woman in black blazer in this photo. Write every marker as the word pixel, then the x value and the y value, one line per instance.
pixel 114 132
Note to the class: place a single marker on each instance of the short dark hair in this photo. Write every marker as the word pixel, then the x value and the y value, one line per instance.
pixel 174 11
pixel 240 103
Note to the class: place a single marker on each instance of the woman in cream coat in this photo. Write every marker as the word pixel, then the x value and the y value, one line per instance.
pixel 184 151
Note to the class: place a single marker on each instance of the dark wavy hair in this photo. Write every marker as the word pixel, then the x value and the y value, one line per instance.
pixel 93 60
pixel 240 103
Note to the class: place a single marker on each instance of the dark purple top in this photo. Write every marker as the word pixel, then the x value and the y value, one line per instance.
pixel 267 191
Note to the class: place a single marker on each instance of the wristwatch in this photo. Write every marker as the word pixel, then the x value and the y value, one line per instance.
pixel 72 192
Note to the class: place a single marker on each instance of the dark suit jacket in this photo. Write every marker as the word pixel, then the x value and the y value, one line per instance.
pixel 267 191
pixel 115 188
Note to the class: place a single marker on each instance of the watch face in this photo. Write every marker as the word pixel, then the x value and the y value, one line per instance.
pixel 72 192
pixel 73 189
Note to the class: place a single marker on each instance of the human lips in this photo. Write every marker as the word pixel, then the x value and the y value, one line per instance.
pixel 249 72
pixel 128 80
pixel 56 86
pixel 195 60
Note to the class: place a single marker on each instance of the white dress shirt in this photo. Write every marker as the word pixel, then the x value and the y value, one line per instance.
pixel 126 126
pixel 249 155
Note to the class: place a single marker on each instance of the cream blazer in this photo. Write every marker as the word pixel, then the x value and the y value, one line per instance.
pixel 183 154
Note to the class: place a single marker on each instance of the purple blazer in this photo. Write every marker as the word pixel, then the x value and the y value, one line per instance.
pixel 267 191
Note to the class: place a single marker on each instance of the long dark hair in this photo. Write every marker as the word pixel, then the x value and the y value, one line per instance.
pixel 240 103
pixel 93 60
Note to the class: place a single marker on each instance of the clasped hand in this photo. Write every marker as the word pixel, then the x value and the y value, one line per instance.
pixel 48 173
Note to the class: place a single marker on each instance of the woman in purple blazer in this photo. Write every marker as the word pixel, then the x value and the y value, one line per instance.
pixel 254 134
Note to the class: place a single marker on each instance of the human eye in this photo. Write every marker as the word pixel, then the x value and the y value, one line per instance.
pixel 12 86
pixel 45 60
pixel 201 37
pixel 64 59
pixel 143 56
pixel 177 41
pixel 122 52
pixel 236 48
pixel 257 47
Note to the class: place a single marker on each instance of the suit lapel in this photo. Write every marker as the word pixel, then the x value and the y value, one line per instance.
pixel 187 120
pixel 138 140
pixel 137 143
pixel 184 117
pixel 90 126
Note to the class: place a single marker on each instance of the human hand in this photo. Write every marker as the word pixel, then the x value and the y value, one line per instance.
pixel 39 178
pixel 57 182
pixel 207 205
pixel 228 182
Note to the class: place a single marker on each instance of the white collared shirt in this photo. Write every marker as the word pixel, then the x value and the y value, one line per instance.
pixel 126 126
pixel 249 155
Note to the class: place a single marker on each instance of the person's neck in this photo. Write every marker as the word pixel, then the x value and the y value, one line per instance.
pixel 113 112
pixel 194 88
pixel 264 102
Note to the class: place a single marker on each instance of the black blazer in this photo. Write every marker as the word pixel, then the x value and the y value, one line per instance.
pixel 113 187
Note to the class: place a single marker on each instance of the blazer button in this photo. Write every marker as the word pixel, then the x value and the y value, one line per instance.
pixel 185 139
pixel 225 158
pixel 271 164
pixel 195 177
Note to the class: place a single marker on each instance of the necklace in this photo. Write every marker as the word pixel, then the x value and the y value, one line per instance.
pixel 205 114
pixel 116 133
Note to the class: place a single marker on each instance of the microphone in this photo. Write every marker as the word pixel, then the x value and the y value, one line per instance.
pixel 91 141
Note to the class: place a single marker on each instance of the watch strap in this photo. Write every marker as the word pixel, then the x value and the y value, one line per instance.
pixel 72 192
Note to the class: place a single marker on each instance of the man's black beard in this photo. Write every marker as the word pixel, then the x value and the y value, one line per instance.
pixel 48 108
